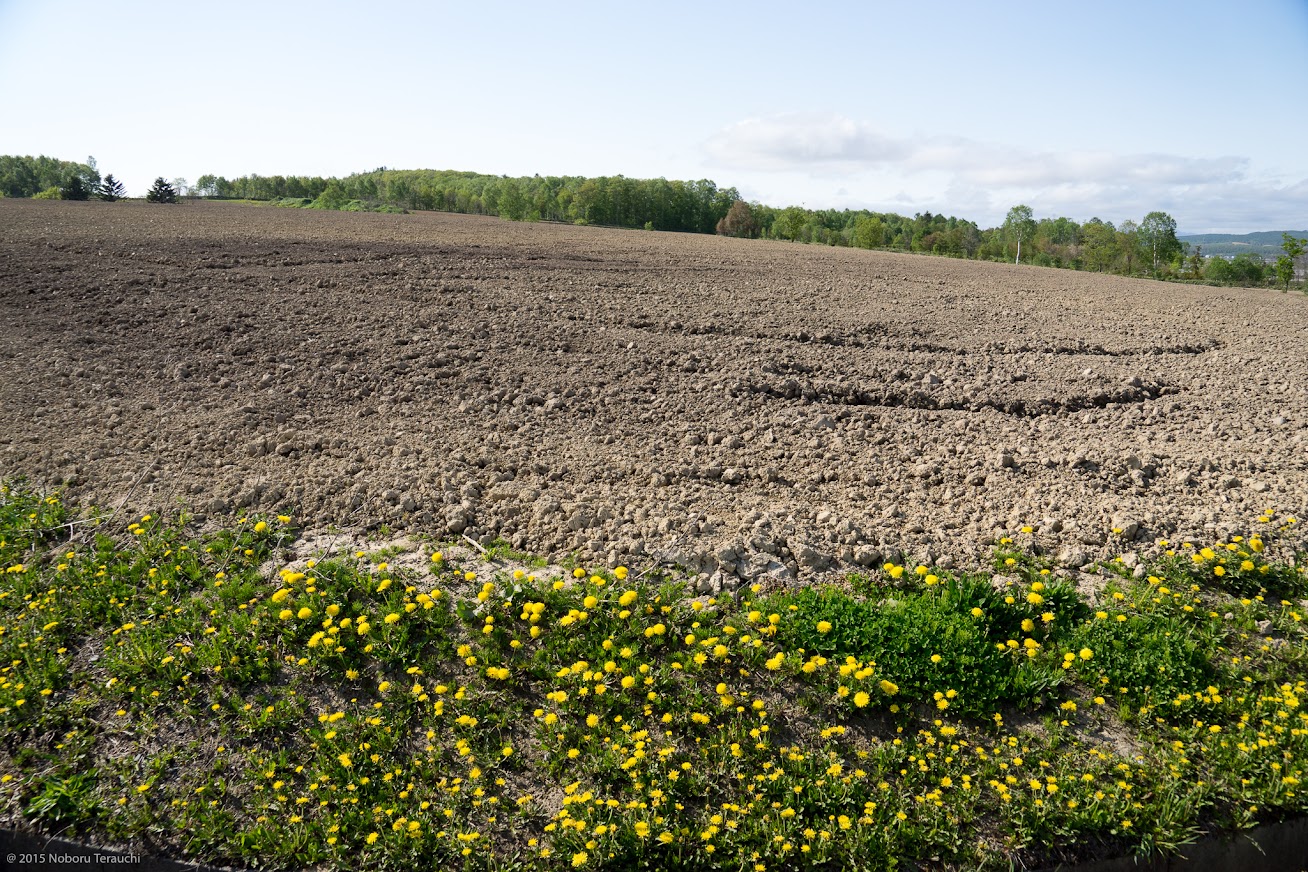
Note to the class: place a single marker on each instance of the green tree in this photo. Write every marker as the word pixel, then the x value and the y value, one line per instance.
pixel 1020 224
pixel 206 185
pixel 869 232
pixel 333 196
pixel 790 223
pixel 1293 248
pixel 161 192
pixel 511 204
pixel 74 189
pixel 1128 247
pixel 27 176
pixel 1158 234
pixel 1195 264
pixel 110 189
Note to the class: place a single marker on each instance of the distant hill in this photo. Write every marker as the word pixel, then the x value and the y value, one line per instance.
pixel 1265 242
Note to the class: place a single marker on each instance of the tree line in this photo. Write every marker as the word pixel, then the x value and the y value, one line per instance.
pixel 46 178
pixel 615 201
pixel 1149 247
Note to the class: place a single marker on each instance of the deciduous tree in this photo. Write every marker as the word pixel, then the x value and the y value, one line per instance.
pixel 1128 246
pixel 1293 248
pixel 1020 224
pixel 869 232
pixel 1158 234
pixel 739 221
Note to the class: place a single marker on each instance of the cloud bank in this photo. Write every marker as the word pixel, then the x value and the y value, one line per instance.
pixel 980 180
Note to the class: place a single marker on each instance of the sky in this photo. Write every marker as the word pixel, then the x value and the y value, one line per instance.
pixel 1110 109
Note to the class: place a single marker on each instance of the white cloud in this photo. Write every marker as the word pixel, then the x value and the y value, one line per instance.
pixel 804 141
pixel 980 179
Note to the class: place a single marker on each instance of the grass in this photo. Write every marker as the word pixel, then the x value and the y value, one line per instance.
pixel 187 689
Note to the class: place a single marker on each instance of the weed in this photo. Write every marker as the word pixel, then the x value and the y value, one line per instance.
pixel 350 713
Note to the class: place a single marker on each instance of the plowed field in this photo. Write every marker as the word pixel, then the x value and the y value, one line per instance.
pixel 743 407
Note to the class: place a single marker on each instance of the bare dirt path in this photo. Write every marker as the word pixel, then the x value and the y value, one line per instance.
pixel 742 406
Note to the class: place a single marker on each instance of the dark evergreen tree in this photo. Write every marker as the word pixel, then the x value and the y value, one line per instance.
pixel 161 192
pixel 111 189
pixel 74 189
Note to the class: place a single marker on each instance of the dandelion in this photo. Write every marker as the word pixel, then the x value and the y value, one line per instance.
pixel 260 527
pixel 824 626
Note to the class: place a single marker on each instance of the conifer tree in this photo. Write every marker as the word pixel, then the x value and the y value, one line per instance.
pixel 74 189
pixel 111 189
pixel 161 192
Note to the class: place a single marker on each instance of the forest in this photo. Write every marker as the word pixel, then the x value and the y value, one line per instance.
pixel 1149 247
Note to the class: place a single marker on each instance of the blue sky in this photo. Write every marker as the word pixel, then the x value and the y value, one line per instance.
pixel 1111 109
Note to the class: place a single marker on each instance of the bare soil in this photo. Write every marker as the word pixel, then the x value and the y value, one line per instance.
pixel 744 408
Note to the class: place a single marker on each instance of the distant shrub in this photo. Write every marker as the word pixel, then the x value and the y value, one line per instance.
pixel 49 194
pixel 1243 269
